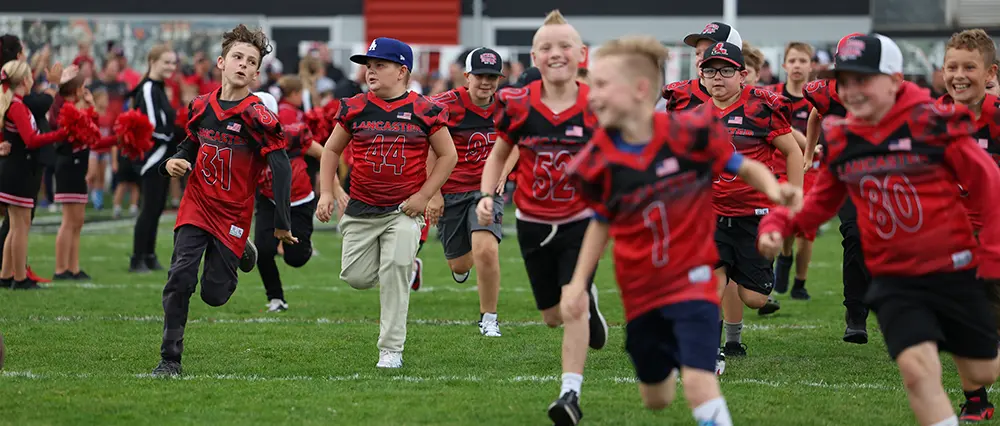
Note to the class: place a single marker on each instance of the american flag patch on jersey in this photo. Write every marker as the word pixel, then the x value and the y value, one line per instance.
pixel 234 127
pixel 574 131
pixel 984 143
pixel 735 120
pixel 903 144
pixel 668 166
pixel 404 116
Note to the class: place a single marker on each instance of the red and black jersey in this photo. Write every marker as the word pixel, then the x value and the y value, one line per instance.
pixel 299 139
pixel 686 94
pixel 232 146
pixel 474 132
pixel 658 204
pixel 822 95
pixel 547 141
pixel 21 130
pixel 754 121
pixel 987 136
pixel 799 109
pixel 390 141
pixel 903 175
pixel 289 114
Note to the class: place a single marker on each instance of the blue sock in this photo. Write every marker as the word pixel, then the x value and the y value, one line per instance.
pixel 97 197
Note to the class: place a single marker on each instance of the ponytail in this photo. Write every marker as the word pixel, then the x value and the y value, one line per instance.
pixel 11 76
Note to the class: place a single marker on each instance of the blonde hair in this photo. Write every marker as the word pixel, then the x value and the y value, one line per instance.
pixel 555 17
pixel 154 55
pixel 289 84
pixel 752 57
pixel 641 55
pixel 309 69
pixel 976 41
pixel 17 72
pixel 801 47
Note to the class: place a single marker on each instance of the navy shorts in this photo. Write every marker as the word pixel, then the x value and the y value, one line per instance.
pixel 669 337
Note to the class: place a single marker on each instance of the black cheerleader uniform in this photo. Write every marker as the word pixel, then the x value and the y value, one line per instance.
pixel 71 166
pixel 20 170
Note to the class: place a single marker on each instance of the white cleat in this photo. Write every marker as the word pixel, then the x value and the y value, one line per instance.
pixel 389 359
pixel 460 278
pixel 488 326
pixel 720 363
pixel 277 305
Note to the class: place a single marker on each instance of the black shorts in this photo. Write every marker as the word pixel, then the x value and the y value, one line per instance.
pixel 736 239
pixel 459 222
pixel 550 265
pixel 952 309
pixel 20 180
pixel 302 225
pixel 682 334
pixel 127 172
pixel 71 178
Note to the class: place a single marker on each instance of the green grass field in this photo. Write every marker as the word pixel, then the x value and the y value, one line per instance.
pixel 80 353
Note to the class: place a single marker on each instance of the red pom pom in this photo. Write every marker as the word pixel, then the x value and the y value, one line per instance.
pixel 79 125
pixel 320 124
pixel 135 134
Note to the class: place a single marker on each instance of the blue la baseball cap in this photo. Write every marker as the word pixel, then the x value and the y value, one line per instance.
pixel 388 49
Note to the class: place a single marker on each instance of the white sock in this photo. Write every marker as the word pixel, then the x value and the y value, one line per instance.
pixel 713 413
pixel 571 382
pixel 951 421
pixel 488 317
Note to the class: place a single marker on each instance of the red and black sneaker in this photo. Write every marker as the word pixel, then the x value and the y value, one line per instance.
pixel 974 411
pixel 34 277
pixel 418 274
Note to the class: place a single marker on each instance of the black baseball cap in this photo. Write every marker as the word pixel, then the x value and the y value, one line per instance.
pixel 867 54
pixel 529 76
pixel 484 61
pixel 715 31
pixel 726 52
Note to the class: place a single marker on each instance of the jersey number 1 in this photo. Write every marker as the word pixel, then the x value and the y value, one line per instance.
pixel 655 218
pixel 391 154
pixel 216 166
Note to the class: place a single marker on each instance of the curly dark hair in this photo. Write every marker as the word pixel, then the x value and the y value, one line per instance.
pixel 242 34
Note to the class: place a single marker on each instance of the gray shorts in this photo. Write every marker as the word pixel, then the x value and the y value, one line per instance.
pixel 459 222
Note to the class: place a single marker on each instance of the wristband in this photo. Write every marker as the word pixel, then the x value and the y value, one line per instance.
pixel 486 195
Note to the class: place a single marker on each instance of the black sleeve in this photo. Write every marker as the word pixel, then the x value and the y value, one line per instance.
pixel 152 101
pixel 281 172
pixel 187 150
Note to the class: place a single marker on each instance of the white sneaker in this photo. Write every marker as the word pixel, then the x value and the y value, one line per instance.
pixel 488 326
pixel 460 278
pixel 133 209
pixel 720 363
pixel 389 359
pixel 277 305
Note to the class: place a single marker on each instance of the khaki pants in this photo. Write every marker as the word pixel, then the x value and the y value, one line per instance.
pixel 380 251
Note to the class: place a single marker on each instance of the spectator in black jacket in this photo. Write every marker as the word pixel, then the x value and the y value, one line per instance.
pixel 151 97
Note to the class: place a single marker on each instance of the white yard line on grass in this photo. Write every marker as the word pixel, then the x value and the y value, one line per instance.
pixel 336 321
pixel 445 379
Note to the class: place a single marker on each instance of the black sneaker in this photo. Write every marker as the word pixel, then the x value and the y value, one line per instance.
pixel 63 276
pixel 598 325
pixel 857 329
pixel 976 411
pixel 566 410
pixel 81 276
pixel 800 294
pixel 770 307
pixel 137 265
pixel 167 369
pixel 6 283
pixel 735 349
pixel 26 284
pixel 249 259
pixel 153 263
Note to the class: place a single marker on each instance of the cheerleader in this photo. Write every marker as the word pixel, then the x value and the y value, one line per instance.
pixel 19 180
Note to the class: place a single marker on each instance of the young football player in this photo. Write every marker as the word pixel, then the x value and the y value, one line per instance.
pixel 19 170
pixel 303 206
pixel 648 178
pixel 798 62
pixel 993 86
pixel 754 60
pixel 549 121
pixel 689 94
pixel 901 157
pixel 822 95
pixel 231 138
pixel 466 243
pixel 759 123
pixel 968 68
pixel 390 129
pixel 290 106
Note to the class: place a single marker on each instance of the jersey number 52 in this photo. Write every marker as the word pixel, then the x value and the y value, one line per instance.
pixel 551 182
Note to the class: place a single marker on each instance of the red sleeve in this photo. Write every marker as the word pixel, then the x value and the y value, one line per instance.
pixel 590 173
pixel 105 142
pixel 348 109
pixel 817 94
pixel 19 115
pixel 435 115
pixel 980 176
pixel 675 95
pixel 777 110
pixel 265 129
pixel 287 115
pixel 507 120
pixel 711 137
